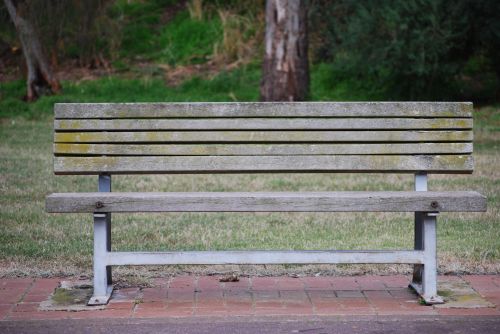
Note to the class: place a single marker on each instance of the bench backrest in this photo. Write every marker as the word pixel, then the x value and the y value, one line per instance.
pixel 129 138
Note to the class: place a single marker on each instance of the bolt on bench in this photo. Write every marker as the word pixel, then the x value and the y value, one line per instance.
pixel 154 138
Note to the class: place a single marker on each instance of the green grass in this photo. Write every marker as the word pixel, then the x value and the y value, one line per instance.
pixel 241 84
pixel 35 243
pixel 181 40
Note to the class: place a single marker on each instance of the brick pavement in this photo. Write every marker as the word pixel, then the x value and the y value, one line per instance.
pixel 205 296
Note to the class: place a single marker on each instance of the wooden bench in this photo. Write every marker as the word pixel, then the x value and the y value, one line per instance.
pixel 153 138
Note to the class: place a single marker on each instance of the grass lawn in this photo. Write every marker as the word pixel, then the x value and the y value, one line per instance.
pixel 35 243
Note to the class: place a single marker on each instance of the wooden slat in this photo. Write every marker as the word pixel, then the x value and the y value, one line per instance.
pixel 264 124
pixel 237 164
pixel 337 201
pixel 259 149
pixel 264 257
pixel 269 109
pixel 263 136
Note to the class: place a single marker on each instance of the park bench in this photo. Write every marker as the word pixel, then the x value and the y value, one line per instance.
pixel 308 137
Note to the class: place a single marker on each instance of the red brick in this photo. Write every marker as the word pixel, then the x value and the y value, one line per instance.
pixel 268 304
pixel 150 313
pixel 180 295
pixel 127 294
pixel 150 306
pixel 35 298
pixel 41 285
pixel 238 295
pixel 263 283
pixel 266 295
pixel 299 308
pixel 5 310
pixel 42 315
pixel 269 311
pixel 344 283
pixel 120 313
pixel 242 284
pixel 179 312
pixel 239 308
pixel 127 305
pixel 210 303
pixel 183 282
pixel 396 281
pixel 292 295
pixel 290 283
pixel 404 294
pixel 26 307
pixel 210 311
pixel 378 294
pixel 154 294
pixel 354 303
pixel 321 295
pixel 370 283
pixel 208 283
pixel 317 283
pixel 180 304
pixel 349 294
pixel 11 297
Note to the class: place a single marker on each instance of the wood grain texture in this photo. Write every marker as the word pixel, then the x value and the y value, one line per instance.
pixel 358 201
pixel 262 136
pixel 261 149
pixel 267 109
pixel 263 124
pixel 247 164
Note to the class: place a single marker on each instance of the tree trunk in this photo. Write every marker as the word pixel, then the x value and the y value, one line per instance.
pixel 285 71
pixel 40 79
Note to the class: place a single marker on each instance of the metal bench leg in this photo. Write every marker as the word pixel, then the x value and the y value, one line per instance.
pixel 103 284
pixel 429 275
pixel 424 280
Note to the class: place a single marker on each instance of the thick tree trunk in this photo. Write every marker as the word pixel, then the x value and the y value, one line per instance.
pixel 285 71
pixel 40 79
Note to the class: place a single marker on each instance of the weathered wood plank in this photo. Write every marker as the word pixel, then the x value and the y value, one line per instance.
pixel 259 149
pixel 264 257
pixel 264 124
pixel 262 136
pixel 269 109
pixel 336 201
pixel 242 164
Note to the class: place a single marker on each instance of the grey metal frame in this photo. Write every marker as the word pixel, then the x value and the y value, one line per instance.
pixel 423 257
pixel 424 280
pixel 103 283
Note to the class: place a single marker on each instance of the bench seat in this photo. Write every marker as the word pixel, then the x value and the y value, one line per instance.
pixel 333 201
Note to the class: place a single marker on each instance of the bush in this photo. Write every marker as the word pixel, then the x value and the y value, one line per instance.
pixel 414 49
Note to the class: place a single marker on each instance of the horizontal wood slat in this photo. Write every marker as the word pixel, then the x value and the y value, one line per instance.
pixel 269 109
pixel 264 124
pixel 264 257
pixel 260 149
pixel 263 136
pixel 338 201
pixel 236 164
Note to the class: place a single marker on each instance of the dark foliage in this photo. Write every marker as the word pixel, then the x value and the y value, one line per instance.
pixel 413 49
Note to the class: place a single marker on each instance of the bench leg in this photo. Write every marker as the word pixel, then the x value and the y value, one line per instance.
pixel 419 245
pixel 102 286
pixel 425 277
